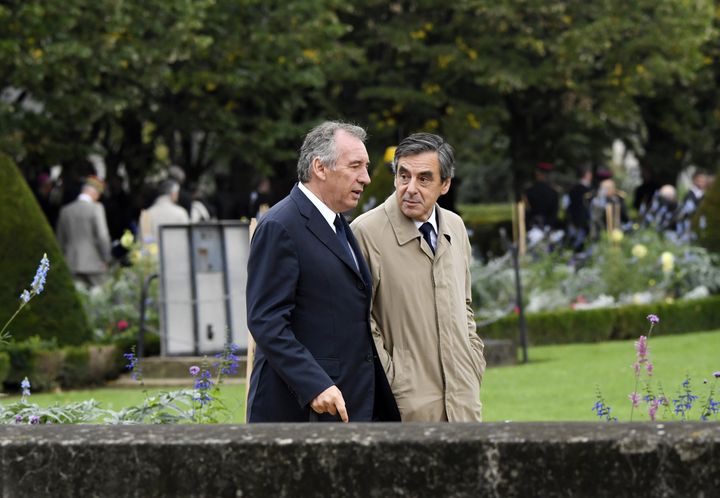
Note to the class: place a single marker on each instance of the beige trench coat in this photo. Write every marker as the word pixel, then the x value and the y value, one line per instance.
pixel 422 320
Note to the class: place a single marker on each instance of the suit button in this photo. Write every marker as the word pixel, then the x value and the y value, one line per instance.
pixel 360 285
pixel 369 358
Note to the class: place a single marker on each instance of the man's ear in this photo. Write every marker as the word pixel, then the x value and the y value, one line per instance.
pixel 445 186
pixel 319 169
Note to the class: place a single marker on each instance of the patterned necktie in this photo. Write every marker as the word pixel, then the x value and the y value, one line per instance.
pixel 427 229
pixel 342 237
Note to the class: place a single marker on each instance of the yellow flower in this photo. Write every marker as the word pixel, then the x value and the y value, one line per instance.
pixel 652 282
pixel 668 261
pixel 639 251
pixel 669 300
pixel 127 239
pixel 616 235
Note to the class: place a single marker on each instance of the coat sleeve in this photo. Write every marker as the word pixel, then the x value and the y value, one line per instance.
pixel 475 340
pixel 273 273
pixel 102 234
pixel 373 262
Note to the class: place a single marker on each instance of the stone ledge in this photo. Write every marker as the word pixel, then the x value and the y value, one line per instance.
pixel 357 460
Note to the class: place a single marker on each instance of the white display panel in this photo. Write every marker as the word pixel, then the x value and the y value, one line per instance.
pixel 203 273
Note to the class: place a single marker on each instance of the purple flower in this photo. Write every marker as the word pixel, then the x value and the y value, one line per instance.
pixel 34 419
pixel 635 398
pixel 716 375
pixel 653 319
pixel 641 347
pixel 194 370
pixel 18 418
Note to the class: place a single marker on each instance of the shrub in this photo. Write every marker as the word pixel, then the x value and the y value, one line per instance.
pixel 709 211
pixel 76 367
pixel 25 358
pixel 24 236
pixel 571 326
pixel 4 366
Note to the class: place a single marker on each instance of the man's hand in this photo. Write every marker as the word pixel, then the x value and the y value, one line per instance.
pixel 330 401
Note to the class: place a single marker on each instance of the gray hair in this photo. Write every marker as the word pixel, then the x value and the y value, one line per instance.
pixel 320 143
pixel 168 187
pixel 417 143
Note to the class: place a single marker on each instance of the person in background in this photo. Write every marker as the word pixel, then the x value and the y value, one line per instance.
pixel 422 318
pixel 541 200
pixel 260 198
pixel 164 211
pixel 609 202
pixel 578 209
pixel 83 235
pixel 308 295
pixel 184 198
pixel 645 191
pixel 690 204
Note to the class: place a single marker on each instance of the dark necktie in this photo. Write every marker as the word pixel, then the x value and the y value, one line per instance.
pixel 427 229
pixel 342 237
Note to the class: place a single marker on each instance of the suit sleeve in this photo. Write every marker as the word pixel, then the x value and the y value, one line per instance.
pixel 273 273
pixel 102 234
pixel 373 263
pixel 475 341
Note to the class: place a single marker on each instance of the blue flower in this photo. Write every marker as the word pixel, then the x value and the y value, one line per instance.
pixel 38 283
pixel 25 296
pixel 25 385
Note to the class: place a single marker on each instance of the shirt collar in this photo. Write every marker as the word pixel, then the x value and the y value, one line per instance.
pixel 698 193
pixel 85 198
pixel 432 220
pixel 325 211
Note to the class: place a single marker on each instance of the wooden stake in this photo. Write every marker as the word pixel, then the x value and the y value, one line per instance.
pixel 250 357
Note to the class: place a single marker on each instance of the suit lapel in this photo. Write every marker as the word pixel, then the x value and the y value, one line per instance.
pixel 320 228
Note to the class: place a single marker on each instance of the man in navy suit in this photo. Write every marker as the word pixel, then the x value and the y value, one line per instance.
pixel 308 295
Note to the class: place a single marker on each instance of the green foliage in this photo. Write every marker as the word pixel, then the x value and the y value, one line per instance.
pixel 25 236
pixel 236 83
pixel 76 367
pixel 572 326
pixel 4 366
pixel 26 359
pixel 709 237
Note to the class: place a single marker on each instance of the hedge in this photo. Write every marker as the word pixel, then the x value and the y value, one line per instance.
pixel 4 366
pixel 24 236
pixel 48 367
pixel 625 322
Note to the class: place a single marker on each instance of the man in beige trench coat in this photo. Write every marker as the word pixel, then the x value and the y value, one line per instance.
pixel 422 320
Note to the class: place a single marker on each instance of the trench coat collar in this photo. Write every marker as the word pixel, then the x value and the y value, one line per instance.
pixel 405 229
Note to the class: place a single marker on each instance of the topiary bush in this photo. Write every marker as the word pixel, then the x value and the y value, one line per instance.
pixel 24 236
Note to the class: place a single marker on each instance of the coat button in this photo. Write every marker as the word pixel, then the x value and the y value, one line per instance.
pixel 369 358
pixel 360 285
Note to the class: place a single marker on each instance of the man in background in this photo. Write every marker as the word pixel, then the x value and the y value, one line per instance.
pixel 422 319
pixel 83 235
pixel 164 211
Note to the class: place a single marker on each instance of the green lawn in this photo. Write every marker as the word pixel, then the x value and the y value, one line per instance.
pixel 558 384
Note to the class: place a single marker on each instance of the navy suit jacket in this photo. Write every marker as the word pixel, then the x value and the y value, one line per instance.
pixel 308 309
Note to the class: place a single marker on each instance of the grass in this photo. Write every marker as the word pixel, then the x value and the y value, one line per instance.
pixel 557 384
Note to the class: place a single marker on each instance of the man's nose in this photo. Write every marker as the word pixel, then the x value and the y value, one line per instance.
pixel 364 177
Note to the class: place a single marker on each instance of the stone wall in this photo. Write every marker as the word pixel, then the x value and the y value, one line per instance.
pixel 359 460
